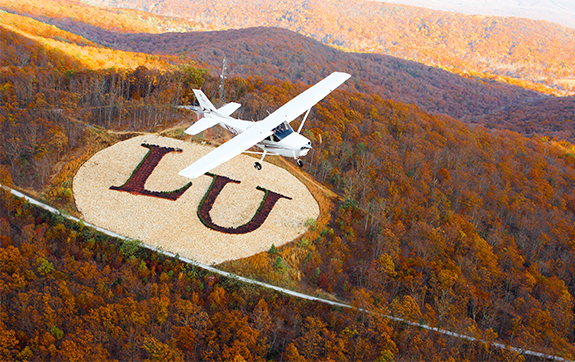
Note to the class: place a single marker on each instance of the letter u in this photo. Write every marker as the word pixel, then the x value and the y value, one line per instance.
pixel 219 182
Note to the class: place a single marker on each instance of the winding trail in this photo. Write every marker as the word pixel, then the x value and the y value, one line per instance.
pixel 288 291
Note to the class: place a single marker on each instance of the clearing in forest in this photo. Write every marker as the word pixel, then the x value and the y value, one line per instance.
pixel 133 189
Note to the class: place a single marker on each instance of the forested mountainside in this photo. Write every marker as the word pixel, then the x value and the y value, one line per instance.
pixel 553 117
pixel 79 18
pixel 538 52
pixel 47 98
pixel 27 39
pixel 73 294
pixel 465 228
pixel 282 54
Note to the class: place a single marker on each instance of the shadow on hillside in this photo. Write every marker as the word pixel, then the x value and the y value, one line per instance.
pixel 283 54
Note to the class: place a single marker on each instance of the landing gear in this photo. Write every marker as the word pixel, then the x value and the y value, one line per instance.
pixel 299 163
pixel 258 164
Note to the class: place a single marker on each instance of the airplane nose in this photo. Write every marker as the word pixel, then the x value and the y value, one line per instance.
pixel 306 147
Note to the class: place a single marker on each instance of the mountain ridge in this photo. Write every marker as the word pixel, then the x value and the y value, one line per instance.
pixel 534 51
pixel 286 55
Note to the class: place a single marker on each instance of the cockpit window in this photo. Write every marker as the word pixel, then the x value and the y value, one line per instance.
pixel 281 132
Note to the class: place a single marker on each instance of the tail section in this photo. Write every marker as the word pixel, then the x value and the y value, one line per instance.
pixel 206 105
pixel 213 116
pixel 204 101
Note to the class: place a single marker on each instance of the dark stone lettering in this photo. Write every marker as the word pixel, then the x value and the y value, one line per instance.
pixel 137 181
pixel 219 182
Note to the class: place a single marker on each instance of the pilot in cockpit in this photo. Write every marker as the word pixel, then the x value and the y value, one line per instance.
pixel 281 128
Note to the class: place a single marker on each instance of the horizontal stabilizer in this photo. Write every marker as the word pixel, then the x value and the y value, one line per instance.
pixel 201 125
pixel 190 108
pixel 228 109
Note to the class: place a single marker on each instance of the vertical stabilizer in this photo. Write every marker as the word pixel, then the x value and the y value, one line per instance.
pixel 203 100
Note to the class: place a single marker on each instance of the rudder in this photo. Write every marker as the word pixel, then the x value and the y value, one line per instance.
pixel 203 100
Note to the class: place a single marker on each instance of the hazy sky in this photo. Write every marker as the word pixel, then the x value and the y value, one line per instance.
pixel 559 11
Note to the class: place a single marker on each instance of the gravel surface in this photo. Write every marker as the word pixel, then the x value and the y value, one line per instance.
pixel 174 225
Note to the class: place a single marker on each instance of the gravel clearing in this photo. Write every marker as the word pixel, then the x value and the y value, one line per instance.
pixel 174 225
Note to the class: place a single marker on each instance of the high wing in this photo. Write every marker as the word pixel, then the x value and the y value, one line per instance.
pixel 260 130
pixel 227 151
pixel 300 104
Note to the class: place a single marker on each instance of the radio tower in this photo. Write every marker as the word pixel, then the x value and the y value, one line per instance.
pixel 222 80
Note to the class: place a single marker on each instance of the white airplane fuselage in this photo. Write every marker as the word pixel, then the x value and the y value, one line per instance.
pixel 294 145
pixel 286 143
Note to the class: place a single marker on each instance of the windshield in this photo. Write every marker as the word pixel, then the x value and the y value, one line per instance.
pixel 282 131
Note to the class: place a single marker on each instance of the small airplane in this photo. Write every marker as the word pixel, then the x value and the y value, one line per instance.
pixel 273 134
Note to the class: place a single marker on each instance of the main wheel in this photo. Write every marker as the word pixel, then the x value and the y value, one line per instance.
pixel 299 163
pixel 258 166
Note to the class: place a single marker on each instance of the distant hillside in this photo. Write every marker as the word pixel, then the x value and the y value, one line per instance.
pixel 22 53
pixel 558 11
pixel 282 54
pixel 80 18
pixel 276 53
pixel 539 52
pixel 34 40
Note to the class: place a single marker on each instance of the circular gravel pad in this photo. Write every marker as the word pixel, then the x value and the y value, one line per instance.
pixel 174 225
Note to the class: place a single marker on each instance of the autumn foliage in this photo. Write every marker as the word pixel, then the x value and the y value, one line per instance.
pixel 550 117
pixel 70 293
pixel 465 228
pixel 469 229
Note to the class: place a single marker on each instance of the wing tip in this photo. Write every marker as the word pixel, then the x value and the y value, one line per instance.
pixel 189 173
pixel 342 74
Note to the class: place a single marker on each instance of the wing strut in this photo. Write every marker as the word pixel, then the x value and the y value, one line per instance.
pixel 302 122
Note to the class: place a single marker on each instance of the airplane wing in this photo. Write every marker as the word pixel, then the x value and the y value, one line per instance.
pixel 300 104
pixel 227 151
pixel 211 118
pixel 260 130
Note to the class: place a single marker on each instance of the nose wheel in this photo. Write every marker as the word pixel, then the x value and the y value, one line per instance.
pixel 258 166
pixel 299 163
